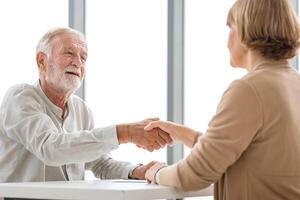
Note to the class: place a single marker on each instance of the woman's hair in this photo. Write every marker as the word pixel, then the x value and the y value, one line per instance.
pixel 44 45
pixel 270 27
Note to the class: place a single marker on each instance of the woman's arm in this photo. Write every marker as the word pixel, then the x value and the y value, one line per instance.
pixel 178 132
pixel 238 119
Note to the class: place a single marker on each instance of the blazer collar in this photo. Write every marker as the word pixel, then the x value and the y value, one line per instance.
pixel 271 64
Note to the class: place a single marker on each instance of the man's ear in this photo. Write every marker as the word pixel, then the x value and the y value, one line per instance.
pixel 41 60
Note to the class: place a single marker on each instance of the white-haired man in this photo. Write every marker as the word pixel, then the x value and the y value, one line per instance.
pixel 47 133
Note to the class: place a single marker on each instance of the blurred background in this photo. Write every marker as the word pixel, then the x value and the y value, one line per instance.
pixel 147 58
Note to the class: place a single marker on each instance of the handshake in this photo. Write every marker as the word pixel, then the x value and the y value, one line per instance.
pixel 147 135
pixel 147 139
pixel 152 134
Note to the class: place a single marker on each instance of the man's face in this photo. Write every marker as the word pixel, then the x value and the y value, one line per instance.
pixel 65 64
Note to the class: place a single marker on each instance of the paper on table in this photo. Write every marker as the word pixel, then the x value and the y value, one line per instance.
pixel 128 181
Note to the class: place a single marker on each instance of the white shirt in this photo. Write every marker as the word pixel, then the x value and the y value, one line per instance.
pixel 35 142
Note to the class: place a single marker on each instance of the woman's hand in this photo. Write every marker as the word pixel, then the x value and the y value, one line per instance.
pixel 140 171
pixel 177 132
pixel 150 173
pixel 168 127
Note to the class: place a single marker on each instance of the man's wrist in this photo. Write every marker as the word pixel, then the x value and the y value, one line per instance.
pixel 123 133
pixel 130 174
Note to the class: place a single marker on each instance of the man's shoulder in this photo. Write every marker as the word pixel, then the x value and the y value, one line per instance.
pixel 80 106
pixel 20 91
pixel 78 102
pixel 20 86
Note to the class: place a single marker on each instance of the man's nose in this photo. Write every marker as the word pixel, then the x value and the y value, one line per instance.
pixel 77 61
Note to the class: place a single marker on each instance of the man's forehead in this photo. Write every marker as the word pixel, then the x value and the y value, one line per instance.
pixel 69 40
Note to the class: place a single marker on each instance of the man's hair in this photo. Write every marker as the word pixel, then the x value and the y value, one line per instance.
pixel 44 45
pixel 270 27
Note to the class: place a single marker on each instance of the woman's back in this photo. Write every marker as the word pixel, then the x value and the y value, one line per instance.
pixel 270 166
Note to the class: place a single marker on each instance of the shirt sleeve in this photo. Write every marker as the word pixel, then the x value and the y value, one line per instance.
pixel 238 119
pixel 108 168
pixel 25 120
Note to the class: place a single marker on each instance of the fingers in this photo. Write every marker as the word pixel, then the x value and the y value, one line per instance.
pixel 166 137
pixel 160 140
pixel 146 135
pixel 154 140
pixel 150 164
pixel 151 172
pixel 163 137
pixel 155 137
pixel 152 125
pixel 164 126
pixel 148 147
pixel 151 140
pixel 149 175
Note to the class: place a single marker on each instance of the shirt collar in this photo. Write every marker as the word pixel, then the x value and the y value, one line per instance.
pixel 54 108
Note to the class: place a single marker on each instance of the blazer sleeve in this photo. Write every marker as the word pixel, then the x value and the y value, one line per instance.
pixel 238 119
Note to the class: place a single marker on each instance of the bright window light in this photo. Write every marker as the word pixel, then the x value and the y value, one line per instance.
pixel 23 23
pixel 127 66
pixel 207 69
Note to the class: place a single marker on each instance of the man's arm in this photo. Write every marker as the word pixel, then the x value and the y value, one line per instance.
pixel 134 133
pixel 25 120
pixel 107 168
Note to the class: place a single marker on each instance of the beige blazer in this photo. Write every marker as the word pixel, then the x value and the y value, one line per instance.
pixel 251 150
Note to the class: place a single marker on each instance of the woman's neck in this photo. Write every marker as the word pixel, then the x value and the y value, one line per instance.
pixel 252 59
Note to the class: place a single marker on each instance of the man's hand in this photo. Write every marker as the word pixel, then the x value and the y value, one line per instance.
pixel 150 173
pixel 135 133
pixel 140 171
pixel 178 132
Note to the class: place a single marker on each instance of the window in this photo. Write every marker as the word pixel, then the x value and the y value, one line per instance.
pixel 23 23
pixel 127 66
pixel 207 69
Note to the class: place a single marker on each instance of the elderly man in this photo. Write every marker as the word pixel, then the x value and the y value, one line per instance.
pixel 47 133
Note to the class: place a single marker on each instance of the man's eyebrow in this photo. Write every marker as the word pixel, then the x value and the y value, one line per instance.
pixel 68 48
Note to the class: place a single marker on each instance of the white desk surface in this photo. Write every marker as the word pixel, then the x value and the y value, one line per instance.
pixel 98 189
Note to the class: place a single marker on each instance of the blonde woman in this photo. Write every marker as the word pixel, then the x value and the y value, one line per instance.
pixel 251 149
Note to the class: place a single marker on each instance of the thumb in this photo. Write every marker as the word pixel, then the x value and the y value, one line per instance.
pixel 150 164
pixel 151 126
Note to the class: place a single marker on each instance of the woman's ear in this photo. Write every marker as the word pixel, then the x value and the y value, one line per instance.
pixel 41 60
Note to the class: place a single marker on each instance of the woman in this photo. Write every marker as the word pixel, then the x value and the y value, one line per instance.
pixel 251 149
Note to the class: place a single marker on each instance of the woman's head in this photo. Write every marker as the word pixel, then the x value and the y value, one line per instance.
pixel 269 27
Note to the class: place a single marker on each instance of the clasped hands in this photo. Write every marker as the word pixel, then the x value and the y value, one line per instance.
pixel 152 134
pixel 152 139
pixel 144 135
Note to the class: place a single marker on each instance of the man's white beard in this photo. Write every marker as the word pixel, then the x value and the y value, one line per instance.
pixel 65 83
pixel 69 84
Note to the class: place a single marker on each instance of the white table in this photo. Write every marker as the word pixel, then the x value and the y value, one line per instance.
pixel 92 190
